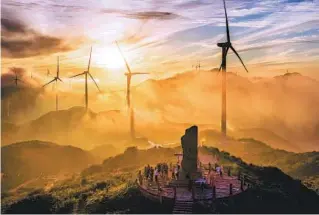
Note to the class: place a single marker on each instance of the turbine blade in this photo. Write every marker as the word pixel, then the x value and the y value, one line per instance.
pixel 49 82
pixel 227 26
pixel 232 48
pixel 126 64
pixel 90 60
pixel 140 73
pixel 59 79
pixel 94 82
pixel 78 75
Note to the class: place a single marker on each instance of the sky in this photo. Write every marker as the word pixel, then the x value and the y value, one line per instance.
pixel 160 37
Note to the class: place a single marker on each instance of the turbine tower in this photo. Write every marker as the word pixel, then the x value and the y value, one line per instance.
pixel 56 79
pixel 129 75
pixel 225 47
pixel 86 73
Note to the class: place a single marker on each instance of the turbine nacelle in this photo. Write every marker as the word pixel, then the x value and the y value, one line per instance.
pixel 226 44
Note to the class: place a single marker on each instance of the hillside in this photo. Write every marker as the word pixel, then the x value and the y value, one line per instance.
pixel 110 188
pixel 24 161
pixel 298 165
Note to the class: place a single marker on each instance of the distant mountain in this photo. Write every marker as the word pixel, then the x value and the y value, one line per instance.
pixel 269 137
pixel 75 126
pixel 284 106
pixel 280 111
pixel 104 151
pixel 24 161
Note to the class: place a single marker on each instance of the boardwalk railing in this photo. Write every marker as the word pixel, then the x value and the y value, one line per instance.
pixel 163 194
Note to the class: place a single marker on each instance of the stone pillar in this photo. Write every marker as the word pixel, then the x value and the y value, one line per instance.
pixel 190 153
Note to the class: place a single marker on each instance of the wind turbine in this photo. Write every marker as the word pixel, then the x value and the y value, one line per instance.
pixel 56 79
pixel 225 47
pixel 86 73
pixel 129 75
pixel 16 79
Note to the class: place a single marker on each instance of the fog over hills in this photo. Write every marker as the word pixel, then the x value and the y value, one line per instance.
pixel 281 111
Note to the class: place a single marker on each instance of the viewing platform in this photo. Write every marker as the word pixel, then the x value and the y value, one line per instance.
pixel 192 179
pixel 225 186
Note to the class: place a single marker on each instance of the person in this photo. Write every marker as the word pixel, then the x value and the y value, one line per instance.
pixel 148 172
pixel 145 172
pixel 173 174
pixel 209 167
pixel 156 175
pixel 176 173
pixel 166 169
pixel 140 177
pixel 218 169
pixel 159 168
pixel 202 184
pixel 212 180
pixel 151 173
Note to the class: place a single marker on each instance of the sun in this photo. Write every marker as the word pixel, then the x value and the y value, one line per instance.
pixel 109 57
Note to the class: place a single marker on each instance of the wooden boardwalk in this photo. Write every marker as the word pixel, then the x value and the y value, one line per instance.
pixel 222 187
pixel 182 199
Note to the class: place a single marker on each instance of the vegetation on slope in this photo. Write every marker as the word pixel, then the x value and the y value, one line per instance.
pixel 109 188
pixel 31 160
pixel 303 166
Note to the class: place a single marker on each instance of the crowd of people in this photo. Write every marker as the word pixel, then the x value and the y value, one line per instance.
pixel 160 171
pixel 165 172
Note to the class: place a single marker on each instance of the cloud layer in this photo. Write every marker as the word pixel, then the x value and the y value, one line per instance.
pixel 154 32
pixel 19 41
